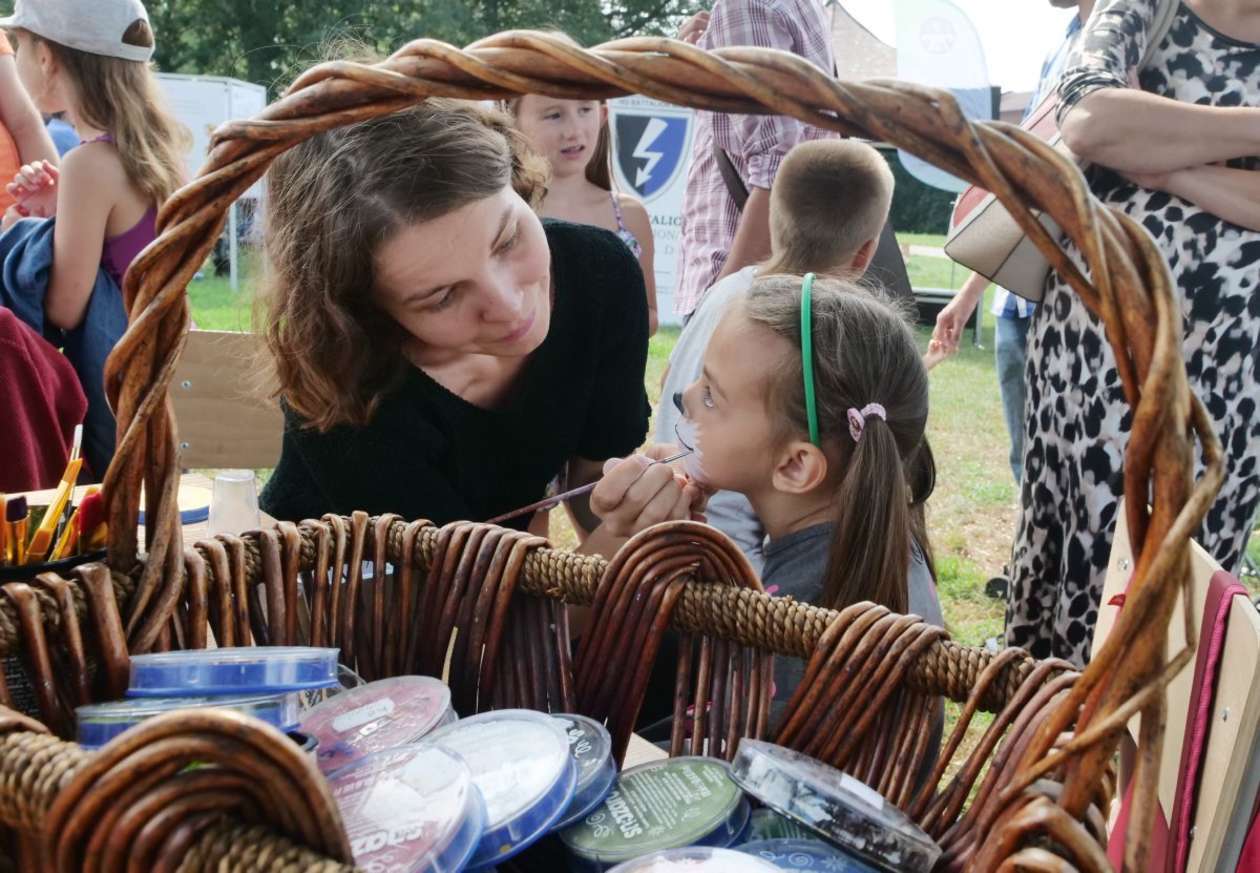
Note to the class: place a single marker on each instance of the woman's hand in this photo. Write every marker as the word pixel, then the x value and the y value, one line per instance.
pixel 35 189
pixel 636 493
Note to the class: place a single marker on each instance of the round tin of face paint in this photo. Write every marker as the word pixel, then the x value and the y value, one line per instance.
pixel 520 762
pixel 591 747
pixel 766 824
pixel 810 854
pixel 697 860
pixel 838 807
pixel 241 670
pixel 410 810
pixel 667 804
pixel 377 716
pixel 101 722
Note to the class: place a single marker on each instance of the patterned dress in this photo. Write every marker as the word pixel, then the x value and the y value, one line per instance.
pixel 1077 420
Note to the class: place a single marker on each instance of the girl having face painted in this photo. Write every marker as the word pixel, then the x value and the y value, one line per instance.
pixel 812 403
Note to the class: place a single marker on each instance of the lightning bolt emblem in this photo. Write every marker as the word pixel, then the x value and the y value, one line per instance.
pixel 655 127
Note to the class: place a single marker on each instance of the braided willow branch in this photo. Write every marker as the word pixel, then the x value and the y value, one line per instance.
pixel 1122 278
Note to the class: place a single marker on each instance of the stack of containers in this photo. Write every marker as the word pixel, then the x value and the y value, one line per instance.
pixel 261 681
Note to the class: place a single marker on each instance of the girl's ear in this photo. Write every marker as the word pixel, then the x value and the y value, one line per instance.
pixel 801 468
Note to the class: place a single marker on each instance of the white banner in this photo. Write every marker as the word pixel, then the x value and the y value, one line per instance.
pixel 651 155
pixel 202 103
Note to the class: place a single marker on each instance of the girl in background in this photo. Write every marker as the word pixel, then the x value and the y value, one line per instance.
pixel 23 137
pixel 573 136
pixel 90 59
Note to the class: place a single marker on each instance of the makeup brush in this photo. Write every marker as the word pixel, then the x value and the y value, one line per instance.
pixel 549 502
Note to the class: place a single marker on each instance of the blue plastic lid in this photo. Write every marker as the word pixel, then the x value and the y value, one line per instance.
pixel 413 809
pixel 243 670
pixel 101 722
pixel 591 747
pixel 521 763
pixel 697 860
pixel 805 855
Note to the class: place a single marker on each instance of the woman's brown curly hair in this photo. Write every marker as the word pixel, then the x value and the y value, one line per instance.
pixel 333 200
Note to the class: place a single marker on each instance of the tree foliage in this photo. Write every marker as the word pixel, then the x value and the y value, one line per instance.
pixel 269 41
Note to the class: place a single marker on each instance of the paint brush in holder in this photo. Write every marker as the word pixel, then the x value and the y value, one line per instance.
pixel 556 500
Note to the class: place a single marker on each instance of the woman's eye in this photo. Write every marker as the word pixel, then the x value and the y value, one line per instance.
pixel 442 299
pixel 551 116
pixel 510 243
pixel 706 397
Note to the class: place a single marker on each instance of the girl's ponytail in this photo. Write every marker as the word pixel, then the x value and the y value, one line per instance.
pixel 871 401
pixel 870 552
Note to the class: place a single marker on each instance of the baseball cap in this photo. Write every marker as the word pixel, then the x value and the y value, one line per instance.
pixel 93 26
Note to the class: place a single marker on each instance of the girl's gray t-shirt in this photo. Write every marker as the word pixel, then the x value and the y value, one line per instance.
pixel 795 565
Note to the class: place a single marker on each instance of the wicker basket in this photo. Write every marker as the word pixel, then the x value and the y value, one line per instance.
pixel 1031 794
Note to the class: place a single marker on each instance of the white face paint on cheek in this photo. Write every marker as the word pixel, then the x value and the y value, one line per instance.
pixel 688 433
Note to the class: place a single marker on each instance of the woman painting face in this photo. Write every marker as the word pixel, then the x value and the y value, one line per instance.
pixel 476 280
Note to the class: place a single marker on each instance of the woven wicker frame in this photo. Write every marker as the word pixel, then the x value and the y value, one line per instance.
pixel 1123 280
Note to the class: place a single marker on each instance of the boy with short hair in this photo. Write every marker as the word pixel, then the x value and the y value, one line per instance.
pixel 829 203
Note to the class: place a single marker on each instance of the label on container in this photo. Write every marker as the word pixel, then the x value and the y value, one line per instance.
pixel 766 824
pixel 403 808
pixel 698 861
pixel 657 806
pixel 364 714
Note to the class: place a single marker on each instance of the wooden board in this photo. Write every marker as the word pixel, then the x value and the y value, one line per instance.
pixel 1232 734
pixel 223 415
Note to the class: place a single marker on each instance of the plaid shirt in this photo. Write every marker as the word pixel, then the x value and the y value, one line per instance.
pixel 756 144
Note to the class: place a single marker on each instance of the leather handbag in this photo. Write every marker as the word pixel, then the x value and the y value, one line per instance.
pixel 982 234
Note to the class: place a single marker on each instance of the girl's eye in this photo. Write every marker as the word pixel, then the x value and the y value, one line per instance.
pixel 551 116
pixel 706 397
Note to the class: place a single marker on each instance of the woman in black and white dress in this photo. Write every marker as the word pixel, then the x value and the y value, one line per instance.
pixel 1180 154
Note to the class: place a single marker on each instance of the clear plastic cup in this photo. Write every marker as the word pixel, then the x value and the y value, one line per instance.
pixel 234 503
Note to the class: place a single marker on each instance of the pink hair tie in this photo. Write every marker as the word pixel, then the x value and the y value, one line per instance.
pixel 857 418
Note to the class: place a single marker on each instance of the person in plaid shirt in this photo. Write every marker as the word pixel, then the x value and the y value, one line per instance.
pixel 717 238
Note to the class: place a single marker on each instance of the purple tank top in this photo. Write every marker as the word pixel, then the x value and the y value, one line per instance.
pixel 119 251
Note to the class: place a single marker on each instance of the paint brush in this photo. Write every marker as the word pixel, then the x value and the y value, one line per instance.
pixel 15 521
pixel 549 502
pixel 42 543
pixel 93 530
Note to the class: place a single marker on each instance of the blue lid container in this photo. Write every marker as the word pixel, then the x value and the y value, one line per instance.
pixel 805 855
pixel 101 722
pixel 243 670
pixel 521 763
pixel 414 809
pixel 591 747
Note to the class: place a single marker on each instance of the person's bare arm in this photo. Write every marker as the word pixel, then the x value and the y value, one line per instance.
pixel 752 237
pixel 83 207
pixel 639 224
pixel 1227 193
pixel 954 316
pixel 1107 126
pixel 22 119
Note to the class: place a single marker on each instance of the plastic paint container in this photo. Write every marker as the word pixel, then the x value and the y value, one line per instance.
pixel 805 855
pixel 410 810
pixel 377 716
pixel 835 805
pixel 697 860
pixel 671 804
pixel 520 762
pixel 243 670
pixel 591 747
pixel 307 743
pixel 101 722
pixel 766 824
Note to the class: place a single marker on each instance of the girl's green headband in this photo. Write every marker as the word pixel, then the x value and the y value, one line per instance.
pixel 807 355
